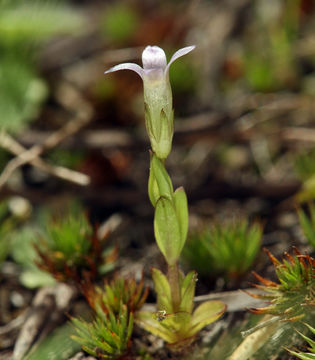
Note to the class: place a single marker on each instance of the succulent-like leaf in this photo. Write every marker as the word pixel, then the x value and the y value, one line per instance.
pixel 206 313
pixel 179 329
pixel 147 321
pixel 178 322
pixel 163 290
pixel 188 292
pixel 173 328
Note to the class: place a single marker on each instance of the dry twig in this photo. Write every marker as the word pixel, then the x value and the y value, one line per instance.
pixel 71 99
pixel 8 143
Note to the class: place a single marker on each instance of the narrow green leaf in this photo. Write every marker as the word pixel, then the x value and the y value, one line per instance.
pixel 181 207
pixel 130 325
pixel 303 356
pixel 57 346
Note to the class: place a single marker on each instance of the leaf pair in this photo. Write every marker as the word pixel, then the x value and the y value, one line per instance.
pixel 171 212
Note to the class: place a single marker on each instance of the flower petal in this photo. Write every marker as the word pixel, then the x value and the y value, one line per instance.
pixel 178 54
pixel 153 57
pixel 127 66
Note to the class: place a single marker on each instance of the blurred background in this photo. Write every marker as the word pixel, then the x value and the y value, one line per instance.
pixel 72 137
pixel 244 106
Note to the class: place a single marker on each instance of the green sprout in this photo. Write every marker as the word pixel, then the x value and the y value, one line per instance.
pixel 175 321
pixel 308 223
pixel 72 251
pixel 306 355
pixel 108 336
pixel 228 249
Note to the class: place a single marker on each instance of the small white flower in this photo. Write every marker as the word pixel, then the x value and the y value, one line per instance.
pixel 153 60
pixel 157 95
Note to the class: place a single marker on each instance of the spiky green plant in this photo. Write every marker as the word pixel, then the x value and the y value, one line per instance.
pixel 116 292
pixel 114 305
pixel 72 251
pixel 293 297
pixel 228 249
pixel 289 300
pixel 108 336
pixel 306 355
pixel 307 223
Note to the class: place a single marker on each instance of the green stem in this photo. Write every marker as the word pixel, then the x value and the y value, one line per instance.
pixel 173 278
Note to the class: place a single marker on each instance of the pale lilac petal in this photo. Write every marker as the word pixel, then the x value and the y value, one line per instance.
pixel 178 54
pixel 153 57
pixel 127 66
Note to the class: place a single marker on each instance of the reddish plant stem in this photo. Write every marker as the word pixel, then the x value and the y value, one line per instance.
pixel 173 278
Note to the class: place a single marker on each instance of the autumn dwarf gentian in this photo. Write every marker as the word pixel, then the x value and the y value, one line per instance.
pixel 159 116
pixel 175 321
